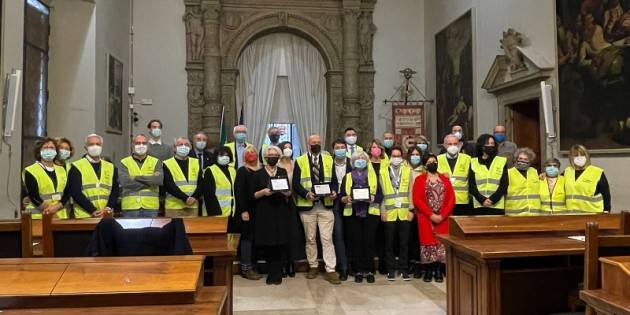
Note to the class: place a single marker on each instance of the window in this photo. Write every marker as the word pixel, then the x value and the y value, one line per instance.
pixel 288 133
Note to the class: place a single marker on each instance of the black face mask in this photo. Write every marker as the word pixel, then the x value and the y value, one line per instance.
pixel 432 167
pixel 272 160
pixel 316 148
pixel 274 138
pixel 490 150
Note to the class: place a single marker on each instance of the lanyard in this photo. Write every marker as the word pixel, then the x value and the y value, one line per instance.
pixel 395 178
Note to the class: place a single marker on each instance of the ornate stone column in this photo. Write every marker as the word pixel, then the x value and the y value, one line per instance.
pixel 334 80
pixel 351 112
pixel 366 74
pixel 211 119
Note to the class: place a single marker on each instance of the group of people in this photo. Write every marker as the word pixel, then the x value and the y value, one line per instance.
pixel 390 200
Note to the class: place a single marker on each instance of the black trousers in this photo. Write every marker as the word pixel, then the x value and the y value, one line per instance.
pixel 462 209
pixel 414 241
pixel 273 256
pixel 402 229
pixel 362 241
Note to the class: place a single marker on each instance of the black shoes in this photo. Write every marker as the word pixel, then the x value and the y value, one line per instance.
pixel 437 275
pixel 358 277
pixel 370 277
pixel 405 276
pixel 418 271
pixel 391 276
pixel 291 270
pixel 343 275
pixel 428 274
pixel 271 281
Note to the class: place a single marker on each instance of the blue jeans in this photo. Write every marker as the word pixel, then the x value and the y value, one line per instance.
pixel 338 239
pixel 246 254
pixel 142 213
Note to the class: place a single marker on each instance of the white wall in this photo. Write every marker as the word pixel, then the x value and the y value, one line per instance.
pixel 536 20
pixel 398 44
pixel 11 47
pixel 160 65
pixel 71 71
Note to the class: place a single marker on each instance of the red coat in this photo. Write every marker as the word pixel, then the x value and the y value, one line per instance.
pixel 426 228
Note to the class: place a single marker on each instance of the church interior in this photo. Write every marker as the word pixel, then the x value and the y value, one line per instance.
pixel 315 157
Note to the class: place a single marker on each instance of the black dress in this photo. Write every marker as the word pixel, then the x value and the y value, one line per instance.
pixel 245 202
pixel 272 212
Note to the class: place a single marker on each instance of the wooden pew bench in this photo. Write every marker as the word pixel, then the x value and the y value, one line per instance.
pixel 16 237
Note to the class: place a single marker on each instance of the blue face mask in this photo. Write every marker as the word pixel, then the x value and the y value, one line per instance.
pixel 415 160
pixel 388 143
pixel 423 146
pixel 48 154
pixel 551 171
pixel 64 154
pixel 240 137
pixel 156 132
pixel 499 137
pixel 183 150
pixel 223 160
pixel 340 153
pixel 360 164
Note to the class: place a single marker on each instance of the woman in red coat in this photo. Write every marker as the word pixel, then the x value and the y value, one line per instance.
pixel 434 198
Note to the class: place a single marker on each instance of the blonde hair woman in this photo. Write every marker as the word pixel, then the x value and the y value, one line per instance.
pixel 586 186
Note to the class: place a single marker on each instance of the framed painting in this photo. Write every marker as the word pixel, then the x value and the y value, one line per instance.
pixel 114 95
pixel 593 51
pixel 454 77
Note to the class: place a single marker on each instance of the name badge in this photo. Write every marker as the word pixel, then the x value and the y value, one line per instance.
pixel 452 180
pixel 398 202
pixel 56 197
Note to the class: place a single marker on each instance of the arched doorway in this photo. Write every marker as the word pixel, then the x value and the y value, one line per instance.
pixel 282 81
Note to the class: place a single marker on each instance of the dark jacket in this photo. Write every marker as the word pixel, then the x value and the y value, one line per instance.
pixel 297 184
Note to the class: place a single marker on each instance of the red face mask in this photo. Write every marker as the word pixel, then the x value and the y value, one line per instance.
pixel 250 157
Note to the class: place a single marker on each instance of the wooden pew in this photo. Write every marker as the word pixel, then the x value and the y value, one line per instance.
pixel 207 235
pixel 16 237
pixel 607 292
pixel 516 265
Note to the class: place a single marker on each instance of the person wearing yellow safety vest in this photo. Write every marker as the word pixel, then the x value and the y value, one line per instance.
pixel 65 151
pixel 362 216
pixel 46 182
pixel 487 179
pixel 414 159
pixel 93 182
pixel 350 136
pixel 218 187
pixel 313 168
pixel 181 176
pixel 523 194
pixel 238 146
pixel 378 161
pixel 274 139
pixel 140 176
pixel 586 186
pixel 552 193
pixel 456 165
pixel 396 214
pixel 388 143
pixel 342 166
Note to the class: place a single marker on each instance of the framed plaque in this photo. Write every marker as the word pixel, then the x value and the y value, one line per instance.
pixel 322 189
pixel 361 194
pixel 280 184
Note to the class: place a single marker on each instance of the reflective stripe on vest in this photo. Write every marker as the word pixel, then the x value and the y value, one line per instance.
pixel 47 191
pixel 458 177
pixel 580 193
pixel 523 194
pixel 224 190
pixel 96 189
pixel 186 186
pixel 553 203
pixel 305 177
pixel 392 199
pixel 374 208
pixel 488 181
pixel 147 198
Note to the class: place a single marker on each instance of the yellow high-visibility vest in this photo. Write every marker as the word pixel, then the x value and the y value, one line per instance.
pixel 232 146
pixel 523 194
pixel 396 202
pixel 357 148
pixel 47 191
pixel 458 176
pixel 96 189
pixel 224 190
pixel 580 193
pixel 147 198
pixel 555 202
pixel 186 186
pixel 488 180
pixel 373 209
pixel 305 177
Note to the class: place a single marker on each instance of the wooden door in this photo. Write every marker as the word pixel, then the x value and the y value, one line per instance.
pixel 526 127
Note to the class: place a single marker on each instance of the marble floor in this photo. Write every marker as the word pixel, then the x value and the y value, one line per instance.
pixel 305 297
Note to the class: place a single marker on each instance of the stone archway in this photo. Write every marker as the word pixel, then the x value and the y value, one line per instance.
pixel 219 30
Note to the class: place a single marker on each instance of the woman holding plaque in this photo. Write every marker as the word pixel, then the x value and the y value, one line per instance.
pixel 361 194
pixel 434 197
pixel 270 187
pixel 245 206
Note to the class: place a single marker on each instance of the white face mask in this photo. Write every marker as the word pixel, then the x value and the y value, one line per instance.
pixel 459 135
pixel 95 150
pixel 287 152
pixel 396 161
pixel 452 150
pixel 579 161
pixel 140 149
pixel 351 140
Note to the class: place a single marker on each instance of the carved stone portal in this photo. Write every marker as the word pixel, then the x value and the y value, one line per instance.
pixel 217 31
